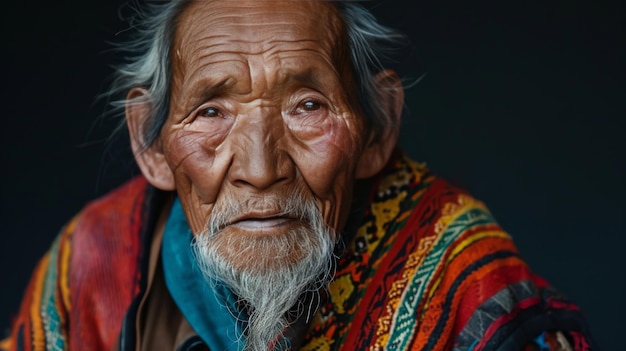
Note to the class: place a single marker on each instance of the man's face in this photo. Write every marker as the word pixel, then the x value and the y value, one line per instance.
pixel 262 144
pixel 262 105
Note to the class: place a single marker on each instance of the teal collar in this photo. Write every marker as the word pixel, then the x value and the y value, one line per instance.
pixel 203 305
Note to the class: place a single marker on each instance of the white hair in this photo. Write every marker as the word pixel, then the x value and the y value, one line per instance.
pixel 147 60
pixel 271 274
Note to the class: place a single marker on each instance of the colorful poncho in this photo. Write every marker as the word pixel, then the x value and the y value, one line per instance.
pixel 427 269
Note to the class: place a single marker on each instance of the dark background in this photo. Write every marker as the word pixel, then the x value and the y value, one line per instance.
pixel 522 103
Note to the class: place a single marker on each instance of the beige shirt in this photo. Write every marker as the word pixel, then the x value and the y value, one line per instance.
pixel 160 325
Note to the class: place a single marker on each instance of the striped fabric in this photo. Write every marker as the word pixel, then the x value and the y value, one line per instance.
pixel 91 277
pixel 427 269
pixel 43 321
pixel 430 269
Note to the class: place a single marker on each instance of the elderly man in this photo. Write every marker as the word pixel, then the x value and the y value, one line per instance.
pixel 274 211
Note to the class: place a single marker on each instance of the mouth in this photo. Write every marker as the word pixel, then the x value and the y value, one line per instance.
pixel 262 222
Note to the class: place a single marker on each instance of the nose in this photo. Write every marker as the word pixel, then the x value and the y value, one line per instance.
pixel 260 159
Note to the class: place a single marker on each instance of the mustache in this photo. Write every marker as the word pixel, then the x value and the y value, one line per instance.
pixel 297 204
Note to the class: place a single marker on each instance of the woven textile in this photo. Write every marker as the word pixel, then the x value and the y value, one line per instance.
pixel 427 269
pixel 430 269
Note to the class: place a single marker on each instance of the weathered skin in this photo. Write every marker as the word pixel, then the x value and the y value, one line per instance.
pixel 262 104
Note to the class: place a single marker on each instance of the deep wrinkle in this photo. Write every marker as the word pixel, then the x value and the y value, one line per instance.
pixel 260 137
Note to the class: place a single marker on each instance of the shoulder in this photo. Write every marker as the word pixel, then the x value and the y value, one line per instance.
pixel 467 284
pixel 109 226
pixel 423 208
pixel 106 236
pixel 82 286
pixel 115 209
pixel 110 240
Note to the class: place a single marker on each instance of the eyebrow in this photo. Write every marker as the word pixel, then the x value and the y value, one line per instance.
pixel 309 77
pixel 210 87
pixel 206 89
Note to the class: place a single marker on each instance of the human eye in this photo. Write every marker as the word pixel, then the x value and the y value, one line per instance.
pixel 309 105
pixel 212 115
pixel 210 112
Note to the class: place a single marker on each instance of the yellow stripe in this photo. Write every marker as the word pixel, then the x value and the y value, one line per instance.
pixel 475 237
pixel 465 243
pixel 451 211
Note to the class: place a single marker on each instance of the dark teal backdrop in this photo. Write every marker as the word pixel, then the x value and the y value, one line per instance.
pixel 522 103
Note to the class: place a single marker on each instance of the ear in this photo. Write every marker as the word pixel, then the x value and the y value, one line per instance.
pixel 150 158
pixel 381 142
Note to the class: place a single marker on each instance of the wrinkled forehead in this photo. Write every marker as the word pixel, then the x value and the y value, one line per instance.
pixel 257 25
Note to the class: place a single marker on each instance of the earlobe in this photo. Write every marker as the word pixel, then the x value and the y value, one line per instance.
pixel 382 141
pixel 150 158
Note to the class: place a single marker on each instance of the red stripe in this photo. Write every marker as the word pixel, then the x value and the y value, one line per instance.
pixel 493 328
pixel 407 241
pixel 446 258
pixel 522 305
pixel 103 280
pixel 484 289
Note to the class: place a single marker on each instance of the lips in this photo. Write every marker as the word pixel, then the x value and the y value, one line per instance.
pixel 262 221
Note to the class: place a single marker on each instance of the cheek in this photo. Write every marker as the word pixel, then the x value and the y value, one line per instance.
pixel 191 156
pixel 324 131
pixel 327 157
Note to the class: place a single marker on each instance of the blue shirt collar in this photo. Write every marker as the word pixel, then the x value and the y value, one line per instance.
pixel 203 305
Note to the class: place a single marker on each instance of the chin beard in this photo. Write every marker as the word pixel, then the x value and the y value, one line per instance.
pixel 271 274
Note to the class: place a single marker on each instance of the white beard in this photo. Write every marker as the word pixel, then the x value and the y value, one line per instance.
pixel 269 273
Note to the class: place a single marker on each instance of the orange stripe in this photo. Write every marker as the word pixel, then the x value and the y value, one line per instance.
pixel 61 290
pixel 462 245
pixel 38 337
pixel 21 321
pixel 456 264
pixel 64 262
pixel 483 290
pixel 6 344
pixel 465 239
pixel 462 261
